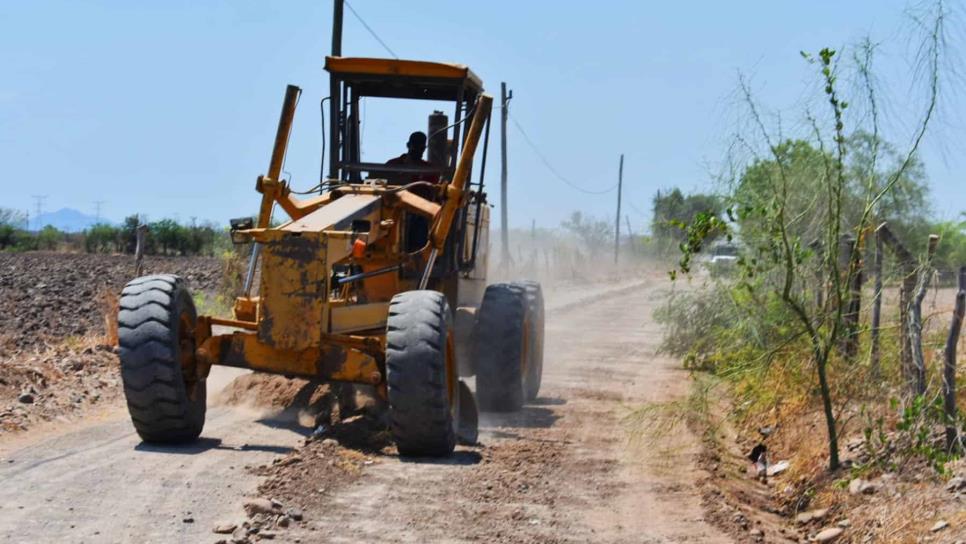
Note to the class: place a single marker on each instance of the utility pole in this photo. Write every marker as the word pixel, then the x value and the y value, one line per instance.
pixel 504 229
pixel 617 222
pixel 39 200
pixel 337 6
pixel 335 98
pixel 97 210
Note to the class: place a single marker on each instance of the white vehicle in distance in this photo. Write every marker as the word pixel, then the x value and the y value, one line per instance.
pixel 722 255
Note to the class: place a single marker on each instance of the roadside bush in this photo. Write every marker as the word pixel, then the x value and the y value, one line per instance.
pixel 49 238
pixel 673 209
pixel 7 236
pixel 12 235
pixel 23 241
pixel 101 238
pixel 163 237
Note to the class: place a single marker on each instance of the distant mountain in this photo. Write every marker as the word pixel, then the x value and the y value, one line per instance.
pixel 65 219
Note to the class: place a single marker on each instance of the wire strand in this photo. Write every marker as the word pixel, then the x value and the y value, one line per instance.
pixel 630 203
pixel 371 31
pixel 550 167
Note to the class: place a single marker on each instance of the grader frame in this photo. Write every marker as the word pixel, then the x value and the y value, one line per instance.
pixel 339 276
pixel 294 327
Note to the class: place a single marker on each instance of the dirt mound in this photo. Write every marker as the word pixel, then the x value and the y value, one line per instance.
pixel 284 495
pixel 58 382
pixel 310 401
pixel 46 297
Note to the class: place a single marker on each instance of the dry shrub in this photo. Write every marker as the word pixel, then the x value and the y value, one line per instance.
pixel 109 308
pixel 234 266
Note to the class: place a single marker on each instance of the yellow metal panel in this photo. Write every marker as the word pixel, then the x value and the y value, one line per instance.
pixel 326 362
pixel 246 308
pixel 339 245
pixel 293 291
pixel 418 204
pixel 394 67
pixel 359 317
pixel 337 215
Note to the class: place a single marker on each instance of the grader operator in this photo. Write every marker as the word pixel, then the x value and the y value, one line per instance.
pixel 372 281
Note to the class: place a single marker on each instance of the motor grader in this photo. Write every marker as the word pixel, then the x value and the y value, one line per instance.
pixel 377 277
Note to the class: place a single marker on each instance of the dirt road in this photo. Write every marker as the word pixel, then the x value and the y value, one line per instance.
pixel 99 483
pixel 563 470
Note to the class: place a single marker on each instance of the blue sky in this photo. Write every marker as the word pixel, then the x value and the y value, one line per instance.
pixel 169 108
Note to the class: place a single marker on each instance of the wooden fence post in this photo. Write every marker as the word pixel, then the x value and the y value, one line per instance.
pixel 140 232
pixel 907 263
pixel 876 308
pixel 852 253
pixel 915 317
pixel 949 363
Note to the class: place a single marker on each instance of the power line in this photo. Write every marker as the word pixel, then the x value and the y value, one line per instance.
pixel 553 170
pixel 39 200
pixel 371 31
pixel 633 207
pixel 97 209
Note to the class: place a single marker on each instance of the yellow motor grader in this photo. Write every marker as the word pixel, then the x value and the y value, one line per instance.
pixel 377 278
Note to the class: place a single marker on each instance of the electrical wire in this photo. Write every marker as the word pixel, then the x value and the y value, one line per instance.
pixel 317 188
pixel 553 170
pixel 371 31
pixel 633 207
pixel 466 117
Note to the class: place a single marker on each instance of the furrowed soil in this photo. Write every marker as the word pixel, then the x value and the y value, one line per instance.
pixel 45 297
pixel 571 467
pixel 56 356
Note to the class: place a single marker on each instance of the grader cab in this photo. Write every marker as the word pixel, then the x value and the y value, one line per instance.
pixel 378 278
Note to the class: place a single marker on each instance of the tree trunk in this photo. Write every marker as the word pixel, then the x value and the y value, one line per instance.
pixel 821 363
pixel 949 364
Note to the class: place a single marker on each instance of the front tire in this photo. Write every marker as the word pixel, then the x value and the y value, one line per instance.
pixel 156 335
pixel 422 375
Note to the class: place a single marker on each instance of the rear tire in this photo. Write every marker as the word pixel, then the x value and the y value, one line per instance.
pixel 500 348
pixel 535 320
pixel 156 336
pixel 421 374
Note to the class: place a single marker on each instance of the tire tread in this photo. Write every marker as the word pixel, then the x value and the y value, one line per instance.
pixel 157 397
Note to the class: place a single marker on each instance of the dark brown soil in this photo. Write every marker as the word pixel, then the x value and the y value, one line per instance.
pixel 56 358
pixel 47 297
pixel 796 505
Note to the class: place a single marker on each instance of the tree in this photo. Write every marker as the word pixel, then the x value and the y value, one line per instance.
pixel 128 234
pixel 871 162
pixel 754 196
pixel 674 210
pixel 595 235
pixel 101 238
pixel 169 235
pixel 13 218
pixel 49 238
pixel 796 203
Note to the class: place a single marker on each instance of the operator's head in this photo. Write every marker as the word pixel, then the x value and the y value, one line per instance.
pixel 416 145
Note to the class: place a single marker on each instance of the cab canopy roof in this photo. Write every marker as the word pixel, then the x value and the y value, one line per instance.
pixel 393 78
